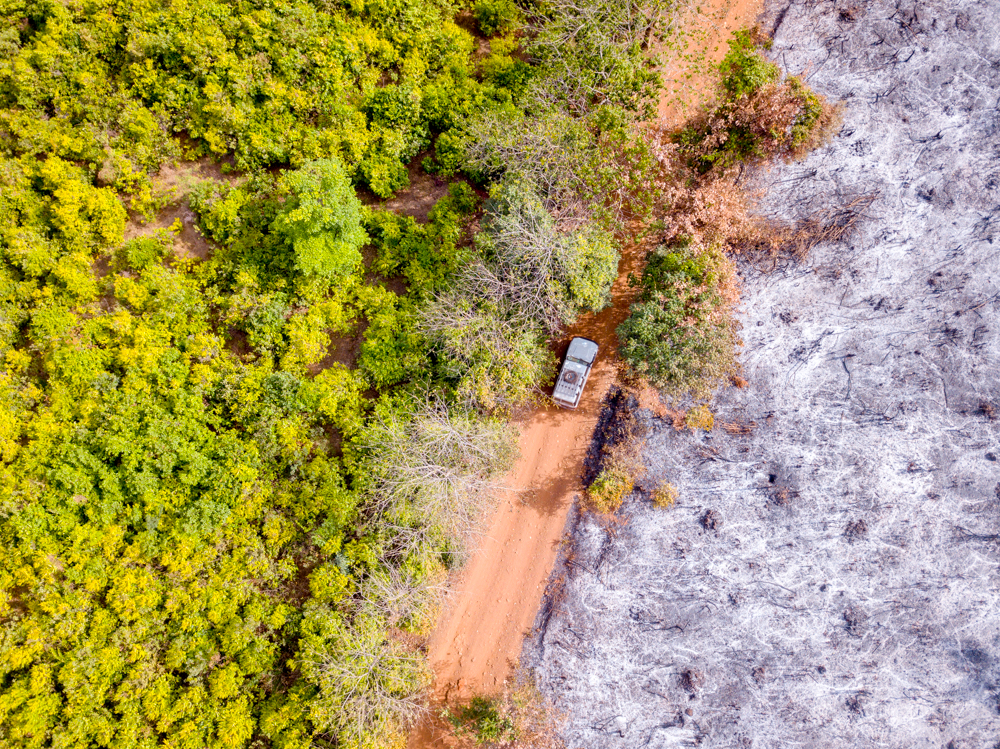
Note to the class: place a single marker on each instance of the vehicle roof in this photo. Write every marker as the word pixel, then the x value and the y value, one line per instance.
pixel 583 349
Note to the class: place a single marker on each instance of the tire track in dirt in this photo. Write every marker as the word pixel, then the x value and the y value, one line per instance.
pixel 494 599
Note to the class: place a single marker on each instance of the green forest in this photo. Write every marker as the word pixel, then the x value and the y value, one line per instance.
pixel 231 484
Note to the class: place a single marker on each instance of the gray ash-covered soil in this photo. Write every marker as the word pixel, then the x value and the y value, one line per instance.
pixel 830 578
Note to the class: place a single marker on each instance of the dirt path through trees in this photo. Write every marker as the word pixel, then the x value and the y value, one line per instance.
pixel 493 601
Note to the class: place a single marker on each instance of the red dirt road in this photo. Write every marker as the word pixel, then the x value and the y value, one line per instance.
pixel 494 599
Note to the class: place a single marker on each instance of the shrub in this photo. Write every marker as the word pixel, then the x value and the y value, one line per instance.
pixel 517 718
pixel 449 154
pixel 496 16
pixel 816 122
pixel 507 72
pixel 699 417
pixel 550 276
pixel 595 53
pixel 551 153
pixel 143 251
pixel 393 350
pixel 368 684
pixel 759 116
pixel 665 495
pixel 493 357
pixel 427 467
pixel 483 720
pixel 426 255
pixel 610 488
pixel 744 69
pixel 383 172
pixel 680 335
pixel 321 218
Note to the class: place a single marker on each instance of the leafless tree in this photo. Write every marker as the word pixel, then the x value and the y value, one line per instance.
pixel 491 346
pixel 433 467
pixel 593 52
pixel 370 685
pixel 551 152
pixel 399 595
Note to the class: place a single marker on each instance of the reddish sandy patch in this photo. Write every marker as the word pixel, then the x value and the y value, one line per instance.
pixel 417 199
pixel 688 81
pixel 172 184
pixel 423 192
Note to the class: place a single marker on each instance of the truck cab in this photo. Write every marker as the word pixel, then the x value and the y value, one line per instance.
pixel 573 374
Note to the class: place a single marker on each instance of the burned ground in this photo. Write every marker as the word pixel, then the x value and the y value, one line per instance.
pixel 844 591
pixel 615 424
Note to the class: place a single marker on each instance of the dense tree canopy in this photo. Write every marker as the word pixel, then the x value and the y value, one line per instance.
pixel 247 412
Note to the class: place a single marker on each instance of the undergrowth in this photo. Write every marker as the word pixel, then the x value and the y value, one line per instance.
pixel 681 335
pixel 760 115
pixel 610 488
pixel 665 495
pixel 619 462
pixel 520 717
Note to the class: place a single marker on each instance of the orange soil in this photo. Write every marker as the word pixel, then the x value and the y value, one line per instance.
pixel 495 598
pixel 687 71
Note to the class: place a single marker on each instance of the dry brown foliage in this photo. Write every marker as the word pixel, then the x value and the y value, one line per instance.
pixel 736 428
pixel 665 495
pixel 714 206
pixel 717 208
pixel 777 240
pixel 709 208
pixel 650 398
pixel 766 118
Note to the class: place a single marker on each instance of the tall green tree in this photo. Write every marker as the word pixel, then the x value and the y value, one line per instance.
pixel 321 219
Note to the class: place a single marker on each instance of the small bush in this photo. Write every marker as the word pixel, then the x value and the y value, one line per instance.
pixel 680 335
pixel 449 154
pixel 507 72
pixel 744 69
pixel 518 718
pixel 321 218
pixel 609 489
pixel 665 495
pixel 699 417
pixel 548 275
pixel 484 721
pixel 427 255
pixel 760 116
pixel 817 122
pixel 141 252
pixel 497 16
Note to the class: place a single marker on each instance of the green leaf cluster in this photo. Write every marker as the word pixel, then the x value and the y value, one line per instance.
pixel 744 69
pixel 321 219
pixel 679 334
pixel 759 114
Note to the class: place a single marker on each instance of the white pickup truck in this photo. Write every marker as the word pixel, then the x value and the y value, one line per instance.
pixel 574 372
